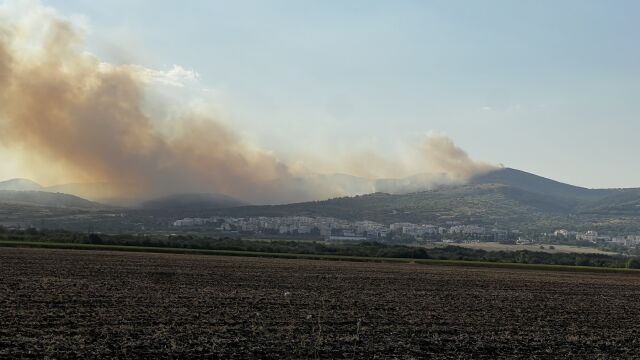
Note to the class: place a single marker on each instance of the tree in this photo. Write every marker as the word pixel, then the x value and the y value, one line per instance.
pixel 633 263
pixel 95 239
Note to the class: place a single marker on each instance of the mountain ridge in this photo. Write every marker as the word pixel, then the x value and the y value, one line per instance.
pixel 20 184
pixel 191 201
pixel 46 199
pixel 504 196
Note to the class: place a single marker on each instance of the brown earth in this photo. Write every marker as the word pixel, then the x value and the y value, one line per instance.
pixel 87 304
pixel 551 249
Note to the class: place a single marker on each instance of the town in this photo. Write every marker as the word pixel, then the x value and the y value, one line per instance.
pixel 332 229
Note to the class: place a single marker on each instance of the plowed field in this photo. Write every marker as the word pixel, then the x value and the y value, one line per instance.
pixel 94 304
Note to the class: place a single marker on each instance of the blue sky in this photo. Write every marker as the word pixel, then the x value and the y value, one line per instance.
pixel 549 87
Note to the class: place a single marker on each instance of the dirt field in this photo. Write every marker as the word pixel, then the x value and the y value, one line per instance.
pixel 494 246
pixel 83 304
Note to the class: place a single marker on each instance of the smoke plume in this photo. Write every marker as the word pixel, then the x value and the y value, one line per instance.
pixel 89 119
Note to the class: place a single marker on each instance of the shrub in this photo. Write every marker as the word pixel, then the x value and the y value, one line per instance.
pixel 95 239
pixel 633 263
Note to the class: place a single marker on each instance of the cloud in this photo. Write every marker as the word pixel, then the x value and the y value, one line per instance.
pixel 441 155
pixel 95 122
pixel 176 76
pixel 87 117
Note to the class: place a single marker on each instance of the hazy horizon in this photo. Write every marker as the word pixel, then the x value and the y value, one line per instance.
pixel 257 93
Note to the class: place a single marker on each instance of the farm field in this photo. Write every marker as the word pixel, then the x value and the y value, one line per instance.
pixel 494 246
pixel 103 304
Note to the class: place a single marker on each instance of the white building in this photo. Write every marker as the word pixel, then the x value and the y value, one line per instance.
pixel 588 236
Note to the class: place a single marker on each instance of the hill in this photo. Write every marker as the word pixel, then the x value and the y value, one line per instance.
pixel 574 198
pixel 506 198
pixel 46 199
pixel 540 185
pixel 20 185
pixel 191 202
pixel 482 203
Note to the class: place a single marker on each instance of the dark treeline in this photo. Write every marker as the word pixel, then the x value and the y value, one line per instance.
pixel 363 249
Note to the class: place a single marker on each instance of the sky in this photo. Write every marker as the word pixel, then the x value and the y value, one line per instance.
pixel 548 87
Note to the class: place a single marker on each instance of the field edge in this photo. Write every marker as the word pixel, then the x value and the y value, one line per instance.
pixel 166 250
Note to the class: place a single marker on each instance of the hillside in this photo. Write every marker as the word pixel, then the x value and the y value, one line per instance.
pixel 45 199
pixel 20 185
pixel 576 199
pixel 191 202
pixel 503 198
pixel 487 203
pixel 540 185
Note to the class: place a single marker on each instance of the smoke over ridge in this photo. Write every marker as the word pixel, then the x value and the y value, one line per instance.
pixel 64 106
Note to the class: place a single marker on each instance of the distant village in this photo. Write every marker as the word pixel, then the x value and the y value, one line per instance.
pixel 332 229
pixel 594 237
pixel 336 229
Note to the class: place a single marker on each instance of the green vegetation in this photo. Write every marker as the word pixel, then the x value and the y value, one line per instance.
pixel 484 204
pixel 307 249
pixel 489 205
pixel 505 199
pixel 46 199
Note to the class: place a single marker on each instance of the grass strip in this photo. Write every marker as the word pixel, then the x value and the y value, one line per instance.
pixel 166 250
